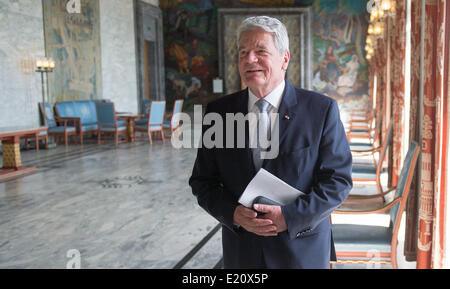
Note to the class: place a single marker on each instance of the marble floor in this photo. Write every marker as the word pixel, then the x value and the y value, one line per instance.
pixel 124 207
pixel 102 206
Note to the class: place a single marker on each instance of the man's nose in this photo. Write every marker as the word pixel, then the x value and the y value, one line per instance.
pixel 252 57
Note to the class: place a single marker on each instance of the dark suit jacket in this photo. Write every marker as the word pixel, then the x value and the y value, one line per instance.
pixel 314 157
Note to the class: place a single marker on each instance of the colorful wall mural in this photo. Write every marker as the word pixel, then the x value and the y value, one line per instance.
pixel 191 52
pixel 340 67
pixel 73 40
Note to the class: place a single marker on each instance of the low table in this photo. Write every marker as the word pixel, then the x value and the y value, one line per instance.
pixel 12 162
pixel 130 118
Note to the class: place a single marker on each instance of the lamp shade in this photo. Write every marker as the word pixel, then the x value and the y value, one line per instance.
pixel 386 5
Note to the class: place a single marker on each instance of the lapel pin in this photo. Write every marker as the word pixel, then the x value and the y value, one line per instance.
pixel 287 117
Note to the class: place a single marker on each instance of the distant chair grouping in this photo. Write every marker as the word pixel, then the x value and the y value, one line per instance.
pixel 75 119
pixel 157 121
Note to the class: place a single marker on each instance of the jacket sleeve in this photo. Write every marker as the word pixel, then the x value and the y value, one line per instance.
pixel 207 186
pixel 332 180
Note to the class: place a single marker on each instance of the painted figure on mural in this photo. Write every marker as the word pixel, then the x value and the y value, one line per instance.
pixel 205 9
pixel 181 56
pixel 350 72
pixel 327 73
pixel 347 81
pixel 329 67
pixel 182 17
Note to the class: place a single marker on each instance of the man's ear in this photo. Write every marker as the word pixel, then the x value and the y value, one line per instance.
pixel 286 58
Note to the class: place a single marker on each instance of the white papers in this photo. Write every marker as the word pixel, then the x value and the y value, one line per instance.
pixel 267 185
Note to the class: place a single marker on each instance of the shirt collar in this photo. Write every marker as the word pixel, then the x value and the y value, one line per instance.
pixel 274 98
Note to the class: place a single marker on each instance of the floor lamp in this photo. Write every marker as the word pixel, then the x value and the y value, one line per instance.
pixel 44 65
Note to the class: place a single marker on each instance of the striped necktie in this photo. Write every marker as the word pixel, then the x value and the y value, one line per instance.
pixel 263 134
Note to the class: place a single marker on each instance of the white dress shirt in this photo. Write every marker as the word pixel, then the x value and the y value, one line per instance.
pixel 274 98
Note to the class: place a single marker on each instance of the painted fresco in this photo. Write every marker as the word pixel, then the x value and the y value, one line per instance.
pixel 73 40
pixel 340 67
pixel 190 40
pixel 191 52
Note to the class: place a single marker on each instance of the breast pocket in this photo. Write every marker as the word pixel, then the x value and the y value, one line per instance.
pixel 295 151
pixel 295 167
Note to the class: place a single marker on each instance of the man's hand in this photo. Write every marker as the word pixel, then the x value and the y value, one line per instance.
pixel 248 219
pixel 274 214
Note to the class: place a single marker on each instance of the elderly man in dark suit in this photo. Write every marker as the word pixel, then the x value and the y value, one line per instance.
pixel 313 156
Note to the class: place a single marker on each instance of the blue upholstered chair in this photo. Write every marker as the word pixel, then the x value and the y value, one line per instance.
pixel 368 147
pixel 57 127
pixel 172 120
pixel 363 242
pixel 82 112
pixel 145 109
pixel 371 172
pixel 107 122
pixel 364 127
pixel 101 100
pixel 155 120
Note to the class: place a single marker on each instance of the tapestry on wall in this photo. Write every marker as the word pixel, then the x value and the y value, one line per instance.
pixel 73 40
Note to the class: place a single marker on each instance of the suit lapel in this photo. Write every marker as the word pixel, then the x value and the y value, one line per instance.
pixel 242 107
pixel 286 112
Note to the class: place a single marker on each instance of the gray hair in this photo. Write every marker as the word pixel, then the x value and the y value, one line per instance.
pixel 269 24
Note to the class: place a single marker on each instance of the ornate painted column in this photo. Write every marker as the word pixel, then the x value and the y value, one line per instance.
pixel 398 54
pixel 410 249
pixel 431 166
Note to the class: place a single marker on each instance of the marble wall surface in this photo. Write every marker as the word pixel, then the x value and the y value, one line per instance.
pixel 22 39
pixel 118 44
pixel 119 54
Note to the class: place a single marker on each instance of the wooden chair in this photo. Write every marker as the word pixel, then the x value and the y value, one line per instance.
pixel 361 114
pixel 107 122
pixel 360 243
pixel 173 119
pixel 145 110
pixel 57 127
pixel 363 129
pixel 362 121
pixel 155 120
pixel 371 148
pixel 371 172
